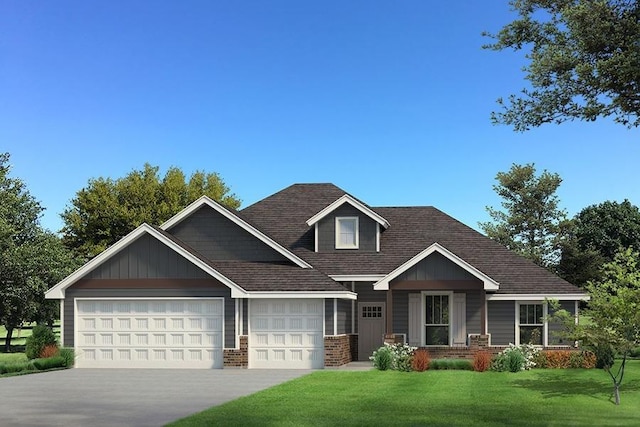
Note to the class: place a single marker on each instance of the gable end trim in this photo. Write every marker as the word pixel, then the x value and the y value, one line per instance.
pixel 353 202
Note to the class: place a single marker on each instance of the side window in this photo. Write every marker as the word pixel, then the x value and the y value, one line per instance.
pixel 347 233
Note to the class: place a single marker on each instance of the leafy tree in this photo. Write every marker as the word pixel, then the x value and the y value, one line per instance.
pixel 583 61
pixel 531 223
pixel 597 234
pixel 31 259
pixel 614 315
pixel 106 210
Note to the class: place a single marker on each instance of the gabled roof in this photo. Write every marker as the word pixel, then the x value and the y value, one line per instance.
pixel 236 219
pixel 58 291
pixel 284 216
pixel 489 283
pixel 346 198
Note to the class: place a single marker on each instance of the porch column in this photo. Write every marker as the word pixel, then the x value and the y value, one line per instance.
pixel 483 313
pixel 389 312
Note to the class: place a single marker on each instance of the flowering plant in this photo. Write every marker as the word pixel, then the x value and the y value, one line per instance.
pixel 515 358
pixel 401 355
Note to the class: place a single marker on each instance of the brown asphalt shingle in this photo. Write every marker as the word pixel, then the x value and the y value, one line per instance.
pixel 283 216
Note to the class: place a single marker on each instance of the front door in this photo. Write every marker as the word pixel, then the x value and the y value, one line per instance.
pixel 371 328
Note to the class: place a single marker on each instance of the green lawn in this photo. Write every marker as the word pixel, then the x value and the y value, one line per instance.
pixel 12 357
pixel 538 397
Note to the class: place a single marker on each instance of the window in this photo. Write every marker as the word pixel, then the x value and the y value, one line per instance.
pixel 437 320
pixel 531 324
pixel 347 233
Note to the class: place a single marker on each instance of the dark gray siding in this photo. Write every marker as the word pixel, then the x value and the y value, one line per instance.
pixel 229 305
pixel 245 316
pixel 474 312
pixel 555 327
pixel 327 231
pixel 328 316
pixel 344 316
pixel 147 258
pixel 217 238
pixel 435 267
pixel 502 322
pixel 401 312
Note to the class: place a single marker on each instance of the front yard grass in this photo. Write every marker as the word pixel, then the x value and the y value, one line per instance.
pixel 544 397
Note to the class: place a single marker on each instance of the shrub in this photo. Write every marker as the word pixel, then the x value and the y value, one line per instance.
pixel 68 355
pixel 605 356
pixel 540 359
pixel 481 361
pixel 41 336
pixel 635 352
pixel 515 358
pixel 588 360
pixel 402 356
pixel 558 358
pixel 382 358
pixel 11 368
pixel 49 350
pixel 421 360
pixel 451 364
pixel 49 363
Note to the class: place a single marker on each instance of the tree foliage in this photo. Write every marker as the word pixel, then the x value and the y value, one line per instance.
pixel 614 315
pixel 31 259
pixel 107 209
pixel 531 223
pixel 583 61
pixel 598 233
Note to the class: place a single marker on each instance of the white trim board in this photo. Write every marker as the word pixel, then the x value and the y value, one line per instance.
pixel 537 297
pixel 58 291
pixel 353 202
pixel 206 201
pixel 488 282
pixel 309 294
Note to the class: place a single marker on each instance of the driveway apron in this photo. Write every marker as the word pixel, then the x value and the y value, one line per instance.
pixel 125 397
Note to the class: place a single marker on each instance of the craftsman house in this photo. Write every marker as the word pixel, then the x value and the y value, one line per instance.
pixel 306 278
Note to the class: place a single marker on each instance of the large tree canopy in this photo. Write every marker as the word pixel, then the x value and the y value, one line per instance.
pixel 531 223
pixel 107 209
pixel 583 61
pixel 31 259
pixel 598 233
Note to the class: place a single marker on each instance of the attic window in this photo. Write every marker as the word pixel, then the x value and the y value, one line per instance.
pixel 347 232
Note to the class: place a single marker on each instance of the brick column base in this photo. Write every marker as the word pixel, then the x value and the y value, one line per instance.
pixel 237 358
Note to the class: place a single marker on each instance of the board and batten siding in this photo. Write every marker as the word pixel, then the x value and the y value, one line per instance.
pixel 327 230
pixel 218 238
pixel 229 305
pixel 435 267
pixel 147 258
pixel 501 322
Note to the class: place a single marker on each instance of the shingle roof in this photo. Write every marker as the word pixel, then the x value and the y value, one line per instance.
pixel 283 216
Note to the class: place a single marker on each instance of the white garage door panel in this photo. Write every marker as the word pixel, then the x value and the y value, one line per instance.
pixel 153 333
pixel 286 334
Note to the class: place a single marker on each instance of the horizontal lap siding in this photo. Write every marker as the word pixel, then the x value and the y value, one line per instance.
pixel 218 238
pixel 229 305
pixel 501 322
pixel 344 316
pixel 401 312
pixel 555 327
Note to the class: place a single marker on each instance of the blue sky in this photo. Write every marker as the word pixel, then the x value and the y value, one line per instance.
pixel 388 100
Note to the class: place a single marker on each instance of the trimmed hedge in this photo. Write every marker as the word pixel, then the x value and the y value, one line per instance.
pixel 34 365
pixel 451 364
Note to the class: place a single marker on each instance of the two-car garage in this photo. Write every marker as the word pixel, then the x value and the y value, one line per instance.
pixel 189 333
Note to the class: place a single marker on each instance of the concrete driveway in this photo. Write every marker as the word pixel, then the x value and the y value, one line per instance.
pixel 125 397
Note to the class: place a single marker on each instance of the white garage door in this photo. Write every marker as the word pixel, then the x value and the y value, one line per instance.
pixel 286 333
pixel 149 333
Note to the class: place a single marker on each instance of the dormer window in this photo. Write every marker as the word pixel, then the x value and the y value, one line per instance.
pixel 347 232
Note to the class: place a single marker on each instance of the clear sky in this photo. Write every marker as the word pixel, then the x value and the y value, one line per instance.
pixel 388 100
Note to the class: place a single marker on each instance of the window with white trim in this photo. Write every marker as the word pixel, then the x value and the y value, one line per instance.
pixel 531 323
pixel 437 319
pixel 347 232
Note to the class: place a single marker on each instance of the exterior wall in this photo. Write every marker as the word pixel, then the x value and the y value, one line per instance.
pixel 181 289
pixel 339 350
pixel 474 312
pixel 327 231
pixel 237 358
pixel 147 258
pixel 344 316
pixel 217 238
pixel 501 318
pixel 435 267
pixel 555 327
